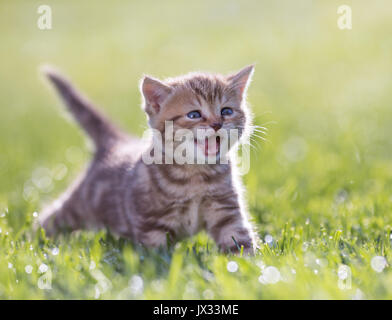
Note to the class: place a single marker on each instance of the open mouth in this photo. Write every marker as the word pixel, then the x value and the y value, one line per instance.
pixel 210 148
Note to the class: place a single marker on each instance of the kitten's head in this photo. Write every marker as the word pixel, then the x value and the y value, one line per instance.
pixel 212 107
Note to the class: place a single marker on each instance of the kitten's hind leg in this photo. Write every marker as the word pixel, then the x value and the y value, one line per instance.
pixel 63 214
pixel 58 218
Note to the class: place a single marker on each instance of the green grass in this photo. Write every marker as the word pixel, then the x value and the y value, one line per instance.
pixel 321 186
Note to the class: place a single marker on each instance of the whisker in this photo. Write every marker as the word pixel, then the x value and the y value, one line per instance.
pixel 260 137
pixel 259 127
pixel 256 126
pixel 260 131
pixel 256 148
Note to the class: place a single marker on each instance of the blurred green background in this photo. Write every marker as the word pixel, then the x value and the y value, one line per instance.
pixel 320 186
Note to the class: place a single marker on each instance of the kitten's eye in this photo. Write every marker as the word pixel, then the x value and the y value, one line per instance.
pixel 194 115
pixel 226 111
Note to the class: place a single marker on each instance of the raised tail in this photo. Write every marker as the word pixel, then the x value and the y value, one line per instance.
pixel 102 132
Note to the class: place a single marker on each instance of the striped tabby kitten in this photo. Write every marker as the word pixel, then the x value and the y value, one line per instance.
pixel 150 203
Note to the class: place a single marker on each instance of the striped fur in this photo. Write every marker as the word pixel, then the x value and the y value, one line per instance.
pixel 151 203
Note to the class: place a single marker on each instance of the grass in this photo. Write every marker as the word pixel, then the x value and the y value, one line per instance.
pixel 320 189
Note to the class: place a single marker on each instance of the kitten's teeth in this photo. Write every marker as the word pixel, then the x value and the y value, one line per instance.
pixel 207 148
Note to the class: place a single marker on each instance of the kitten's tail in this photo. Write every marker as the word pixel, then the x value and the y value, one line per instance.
pixel 99 129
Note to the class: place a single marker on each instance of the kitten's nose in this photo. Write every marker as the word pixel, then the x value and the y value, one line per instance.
pixel 216 126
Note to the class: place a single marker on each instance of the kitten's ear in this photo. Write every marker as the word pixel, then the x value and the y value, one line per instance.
pixel 240 80
pixel 155 93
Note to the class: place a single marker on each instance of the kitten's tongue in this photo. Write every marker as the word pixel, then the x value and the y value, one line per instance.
pixel 213 148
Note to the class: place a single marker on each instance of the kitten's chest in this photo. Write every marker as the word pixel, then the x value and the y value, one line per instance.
pixel 191 217
pixel 191 220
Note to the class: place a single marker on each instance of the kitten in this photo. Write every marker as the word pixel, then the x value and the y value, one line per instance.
pixel 150 203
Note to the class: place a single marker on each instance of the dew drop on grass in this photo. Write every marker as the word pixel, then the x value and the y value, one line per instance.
pixel 232 266
pixel 136 285
pixel 344 272
pixel 43 268
pixel 271 275
pixel 29 269
pixel 378 263
pixel 269 239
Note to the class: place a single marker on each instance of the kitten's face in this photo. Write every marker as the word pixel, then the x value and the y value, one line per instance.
pixel 209 107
